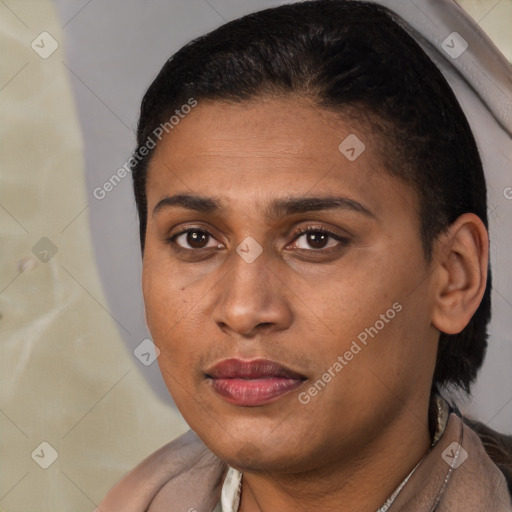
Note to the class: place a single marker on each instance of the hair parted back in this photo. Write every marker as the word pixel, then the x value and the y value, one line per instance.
pixel 355 58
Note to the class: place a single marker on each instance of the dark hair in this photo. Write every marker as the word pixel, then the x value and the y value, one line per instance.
pixel 357 59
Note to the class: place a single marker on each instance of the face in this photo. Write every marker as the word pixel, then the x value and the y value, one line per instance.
pixel 285 285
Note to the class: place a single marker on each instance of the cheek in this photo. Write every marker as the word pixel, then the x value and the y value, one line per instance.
pixel 173 307
pixel 160 299
pixel 354 297
pixel 165 291
pixel 373 308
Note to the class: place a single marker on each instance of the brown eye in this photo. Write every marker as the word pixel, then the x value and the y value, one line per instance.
pixel 194 239
pixel 317 239
pixel 197 239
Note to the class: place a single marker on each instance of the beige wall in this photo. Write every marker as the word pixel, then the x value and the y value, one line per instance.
pixel 66 376
pixel 495 17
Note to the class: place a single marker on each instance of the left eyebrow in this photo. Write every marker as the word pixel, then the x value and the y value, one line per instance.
pixel 294 205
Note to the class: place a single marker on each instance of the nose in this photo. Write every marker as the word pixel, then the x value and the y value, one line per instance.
pixel 252 299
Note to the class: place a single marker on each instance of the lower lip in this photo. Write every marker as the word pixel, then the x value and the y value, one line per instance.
pixel 253 392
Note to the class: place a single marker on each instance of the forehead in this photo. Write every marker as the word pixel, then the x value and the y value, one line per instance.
pixel 266 128
pixel 254 150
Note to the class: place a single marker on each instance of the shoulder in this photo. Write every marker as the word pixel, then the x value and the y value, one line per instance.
pixel 456 475
pixel 498 447
pixel 475 478
pixel 184 472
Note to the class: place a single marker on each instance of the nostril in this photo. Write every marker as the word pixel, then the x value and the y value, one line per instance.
pixel 264 324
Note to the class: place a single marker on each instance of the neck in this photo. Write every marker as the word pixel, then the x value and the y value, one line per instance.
pixel 361 483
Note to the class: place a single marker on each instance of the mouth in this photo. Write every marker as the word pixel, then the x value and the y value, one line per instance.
pixel 252 383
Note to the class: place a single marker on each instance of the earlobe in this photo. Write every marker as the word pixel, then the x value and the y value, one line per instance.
pixel 462 256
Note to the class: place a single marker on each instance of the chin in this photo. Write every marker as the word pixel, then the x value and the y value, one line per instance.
pixel 250 459
pixel 255 455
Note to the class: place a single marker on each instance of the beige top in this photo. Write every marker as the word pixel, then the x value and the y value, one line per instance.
pixel 456 475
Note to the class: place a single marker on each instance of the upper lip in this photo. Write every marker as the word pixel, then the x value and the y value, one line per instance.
pixel 256 368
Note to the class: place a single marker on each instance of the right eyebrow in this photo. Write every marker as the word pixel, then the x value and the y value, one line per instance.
pixel 188 201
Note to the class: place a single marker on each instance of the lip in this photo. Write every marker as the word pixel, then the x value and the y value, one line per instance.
pixel 252 383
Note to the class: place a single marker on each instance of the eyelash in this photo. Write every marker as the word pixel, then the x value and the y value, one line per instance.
pixel 342 241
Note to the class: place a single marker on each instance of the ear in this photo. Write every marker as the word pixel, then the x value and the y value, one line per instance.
pixel 461 255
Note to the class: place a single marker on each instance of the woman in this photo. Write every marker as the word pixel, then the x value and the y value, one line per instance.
pixel 313 224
